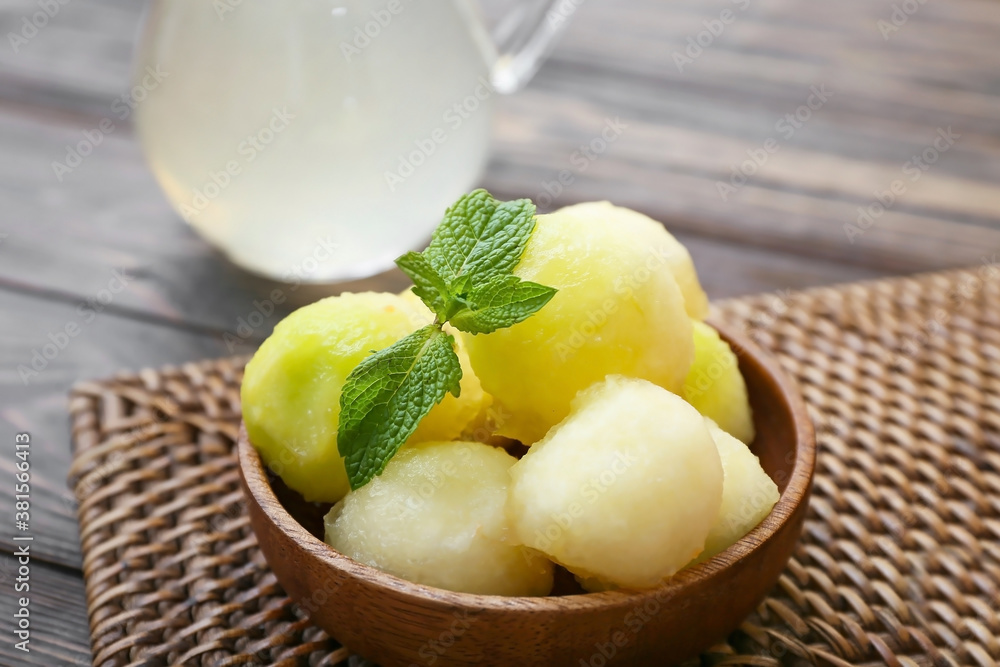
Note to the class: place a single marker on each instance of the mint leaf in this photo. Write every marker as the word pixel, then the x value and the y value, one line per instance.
pixel 481 237
pixel 502 302
pixel 428 285
pixel 386 396
pixel 465 277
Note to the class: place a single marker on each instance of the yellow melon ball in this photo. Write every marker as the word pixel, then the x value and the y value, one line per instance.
pixel 625 490
pixel 748 494
pixel 291 387
pixel 436 517
pixel 662 244
pixel 618 311
pixel 715 387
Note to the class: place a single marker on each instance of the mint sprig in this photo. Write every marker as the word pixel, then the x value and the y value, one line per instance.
pixel 388 394
pixel 465 276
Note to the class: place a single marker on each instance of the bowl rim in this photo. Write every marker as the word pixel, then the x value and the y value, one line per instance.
pixel 795 493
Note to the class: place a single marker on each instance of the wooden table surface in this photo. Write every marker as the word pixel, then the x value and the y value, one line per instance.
pixel 888 94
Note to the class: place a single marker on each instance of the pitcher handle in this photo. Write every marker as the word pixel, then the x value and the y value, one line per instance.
pixel 525 37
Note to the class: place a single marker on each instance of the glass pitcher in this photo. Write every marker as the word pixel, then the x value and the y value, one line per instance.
pixel 317 140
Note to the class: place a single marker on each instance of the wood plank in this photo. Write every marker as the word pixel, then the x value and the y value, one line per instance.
pixel 101 347
pixel 617 59
pixel 800 200
pixel 685 133
pixel 88 45
pixel 60 634
pixel 109 215
pixel 784 229
pixel 729 270
pixel 80 59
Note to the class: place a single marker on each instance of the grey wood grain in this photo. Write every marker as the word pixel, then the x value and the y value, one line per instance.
pixel 79 59
pixel 58 615
pixel 670 163
pixel 33 396
pixel 686 130
pixel 68 238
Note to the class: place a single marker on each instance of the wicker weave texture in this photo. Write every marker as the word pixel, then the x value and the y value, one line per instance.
pixel 899 563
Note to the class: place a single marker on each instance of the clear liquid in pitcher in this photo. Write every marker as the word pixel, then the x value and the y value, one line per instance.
pixel 322 134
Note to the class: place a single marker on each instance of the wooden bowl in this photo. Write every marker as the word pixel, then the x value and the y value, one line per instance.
pixel 398 623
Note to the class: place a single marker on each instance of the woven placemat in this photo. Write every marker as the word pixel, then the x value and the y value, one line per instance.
pixel 899 563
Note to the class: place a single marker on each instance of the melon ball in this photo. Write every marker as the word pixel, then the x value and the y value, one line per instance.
pixel 625 490
pixel 436 517
pixel 748 494
pixel 715 387
pixel 291 387
pixel 618 311
pixel 662 242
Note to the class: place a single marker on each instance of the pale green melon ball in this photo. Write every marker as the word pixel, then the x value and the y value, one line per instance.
pixel 624 490
pixel 748 494
pixel 715 386
pixel 436 517
pixel 291 387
